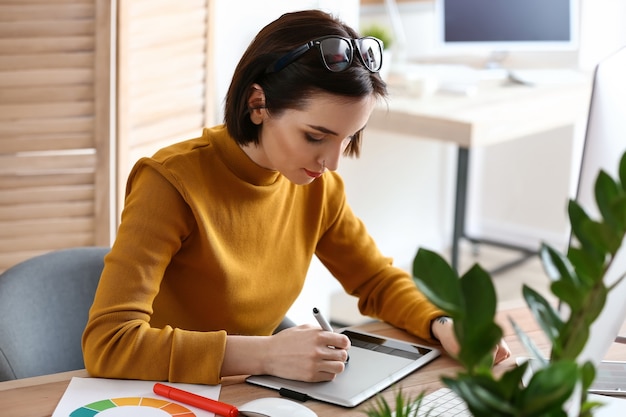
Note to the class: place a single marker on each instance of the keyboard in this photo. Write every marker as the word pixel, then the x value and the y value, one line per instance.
pixel 610 379
pixel 444 403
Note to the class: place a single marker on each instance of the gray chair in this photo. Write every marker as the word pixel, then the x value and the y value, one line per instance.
pixel 285 324
pixel 44 303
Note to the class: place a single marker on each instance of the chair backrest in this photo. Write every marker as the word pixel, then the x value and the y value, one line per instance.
pixel 44 304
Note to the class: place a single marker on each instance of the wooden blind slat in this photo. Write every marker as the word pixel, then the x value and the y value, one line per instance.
pixel 47 11
pixel 47 194
pixel 189 48
pixel 10 213
pixel 45 142
pixel 16 164
pixel 45 226
pixel 46 94
pixel 194 78
pixel 174 29
pixel 41 111
pixel 24 29
pixel 67 124
pixel 150 147
pixel 53 60
pixel 8 182
pixel 47 77
pixel 47 242
pixel 160 119
pixel 21 46
pixel 167 128
pixel 146 8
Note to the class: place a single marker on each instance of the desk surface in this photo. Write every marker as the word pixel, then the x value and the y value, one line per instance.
pixel 38 396
pixel 498 112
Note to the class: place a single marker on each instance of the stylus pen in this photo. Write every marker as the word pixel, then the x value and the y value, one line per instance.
pixel 195 400
pixel 324 324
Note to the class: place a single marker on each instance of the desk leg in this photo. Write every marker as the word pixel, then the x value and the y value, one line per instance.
pixel 460 207
pixel 460 203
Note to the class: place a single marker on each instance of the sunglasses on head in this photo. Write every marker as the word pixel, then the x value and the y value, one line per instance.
pixel 337 53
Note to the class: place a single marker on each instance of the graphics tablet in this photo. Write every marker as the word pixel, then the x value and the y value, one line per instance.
pixel 375 363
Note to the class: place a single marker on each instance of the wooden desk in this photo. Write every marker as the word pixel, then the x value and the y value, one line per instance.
pixel 38 397
pixel 499 112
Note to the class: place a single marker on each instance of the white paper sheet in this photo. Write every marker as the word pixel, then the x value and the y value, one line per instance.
pixel 91 397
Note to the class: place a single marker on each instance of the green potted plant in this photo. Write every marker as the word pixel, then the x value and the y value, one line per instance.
pixel 578 282
pixel 404 406
pixel 381 32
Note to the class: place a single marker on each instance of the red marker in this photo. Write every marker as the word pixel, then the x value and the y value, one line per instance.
pixel 195 400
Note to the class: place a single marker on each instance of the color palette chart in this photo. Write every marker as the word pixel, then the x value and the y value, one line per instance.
pixel 100 397
pixel 169 408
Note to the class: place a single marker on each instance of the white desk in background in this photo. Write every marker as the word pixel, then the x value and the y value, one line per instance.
pixel 499 111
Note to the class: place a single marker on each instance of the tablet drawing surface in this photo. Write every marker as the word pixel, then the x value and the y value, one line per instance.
pixel 375 364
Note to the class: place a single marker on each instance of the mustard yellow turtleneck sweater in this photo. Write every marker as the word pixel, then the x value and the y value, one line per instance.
pixel 212 244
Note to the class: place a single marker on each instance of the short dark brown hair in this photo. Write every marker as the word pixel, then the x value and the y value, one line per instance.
pixel 293 86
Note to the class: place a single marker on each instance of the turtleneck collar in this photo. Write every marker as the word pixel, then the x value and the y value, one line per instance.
pixel 238 161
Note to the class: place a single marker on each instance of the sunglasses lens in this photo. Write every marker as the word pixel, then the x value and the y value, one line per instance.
pixel 371 53
pixel 337 53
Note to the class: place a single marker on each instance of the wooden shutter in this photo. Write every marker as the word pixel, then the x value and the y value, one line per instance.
pixel 163 77
pixel 54 126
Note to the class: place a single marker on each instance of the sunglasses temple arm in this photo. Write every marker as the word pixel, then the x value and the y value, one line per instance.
pixel 289 58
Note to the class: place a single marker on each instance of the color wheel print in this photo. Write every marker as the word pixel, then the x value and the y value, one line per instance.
pixel 97 407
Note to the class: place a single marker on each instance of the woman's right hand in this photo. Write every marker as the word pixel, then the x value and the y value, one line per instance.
pixel 306 353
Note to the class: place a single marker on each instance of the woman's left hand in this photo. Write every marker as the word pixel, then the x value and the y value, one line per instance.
pixel 443 329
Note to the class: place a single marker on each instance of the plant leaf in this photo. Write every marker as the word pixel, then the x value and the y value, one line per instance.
pixel 588 374
pixel 606 191
pixel 511 380
pixel 549 388
pixel 480 296
pixel 438 281
pixel 603 237
pixel 618 208
pixel 587 265
pixel 578 217
pixel 478 336
pixel 622 171
pixel 481 395
pixel 528 343
pixel 544 313
pixel 554 260
pixel 567 285
pixel 571 341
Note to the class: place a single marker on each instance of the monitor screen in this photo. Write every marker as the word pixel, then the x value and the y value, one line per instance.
pixel 508 25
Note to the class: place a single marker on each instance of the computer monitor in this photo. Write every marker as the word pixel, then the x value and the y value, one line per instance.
pixel 497 27
pixel 604 146
pixel 605 143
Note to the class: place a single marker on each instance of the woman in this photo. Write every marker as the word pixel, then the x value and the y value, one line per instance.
pixel 218 232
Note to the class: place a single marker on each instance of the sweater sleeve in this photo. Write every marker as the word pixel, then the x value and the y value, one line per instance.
pixel 119 341
pixel 385 292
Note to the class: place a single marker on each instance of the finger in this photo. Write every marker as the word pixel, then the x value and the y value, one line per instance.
pixel 331 367
pixel 502 353
pixel 337 340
